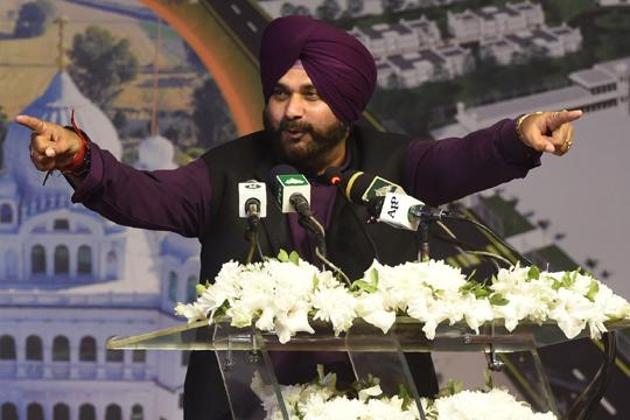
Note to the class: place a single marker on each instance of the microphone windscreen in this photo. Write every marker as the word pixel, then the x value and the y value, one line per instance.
pixel 355 184
pixel 285 182
pixel 283 169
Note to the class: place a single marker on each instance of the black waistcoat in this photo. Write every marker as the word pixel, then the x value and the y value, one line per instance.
pixel 252 157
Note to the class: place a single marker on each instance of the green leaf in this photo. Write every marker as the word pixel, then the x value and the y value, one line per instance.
pixel 480 290
pixel 567 280
pixel 199 289
pixel 405 396
pixel 320 372
pixel 437 293
pixel 294 257
pixel 593 290
pixel 482 293
pixel 221 310
pixel 533 273
pixel 374 277
pixel 283 256
pixel 452 387
pixel 497 299
pixel 363 285
pixel 455 386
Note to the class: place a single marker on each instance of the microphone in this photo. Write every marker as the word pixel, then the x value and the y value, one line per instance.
pixel 252 199
pixel 399 210
pixel 359 187
pixel 252 204
pixel 386 201
pixel 403 211
pixel 291 190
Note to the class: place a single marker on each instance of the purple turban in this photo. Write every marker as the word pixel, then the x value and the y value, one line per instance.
pixel 341 68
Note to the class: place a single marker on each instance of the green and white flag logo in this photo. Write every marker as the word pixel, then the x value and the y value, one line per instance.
pixel 293 180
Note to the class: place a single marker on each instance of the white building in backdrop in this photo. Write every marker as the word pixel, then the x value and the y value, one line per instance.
pixel 553 42
pixel 492 21
pixel 584 194
pixel 69 280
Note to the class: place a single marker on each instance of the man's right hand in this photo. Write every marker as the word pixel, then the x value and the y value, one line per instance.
pixel 52 146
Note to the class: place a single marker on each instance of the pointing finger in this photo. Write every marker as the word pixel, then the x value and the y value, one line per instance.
pixel 562 117
pixel 32 123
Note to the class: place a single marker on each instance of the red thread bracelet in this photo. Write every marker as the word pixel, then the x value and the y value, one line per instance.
pixel 77 160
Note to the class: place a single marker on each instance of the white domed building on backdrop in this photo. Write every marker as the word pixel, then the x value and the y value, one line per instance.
pixel 69 280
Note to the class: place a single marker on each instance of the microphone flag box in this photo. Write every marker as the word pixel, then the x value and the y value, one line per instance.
pixel 252 190
pixel 395 211
pixel 379 187
pixel 291 184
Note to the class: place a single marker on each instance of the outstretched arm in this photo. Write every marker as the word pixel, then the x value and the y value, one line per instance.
pixel 176 200
pixel 449 169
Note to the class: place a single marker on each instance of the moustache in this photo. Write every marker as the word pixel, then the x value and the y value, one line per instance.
pixel 295 126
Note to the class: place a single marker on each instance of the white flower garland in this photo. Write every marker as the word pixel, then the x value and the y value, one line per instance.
pixel 281 295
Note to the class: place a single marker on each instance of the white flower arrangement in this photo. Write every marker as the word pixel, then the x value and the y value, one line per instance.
pixel 321 400
pixel 473 405
pixel 281 295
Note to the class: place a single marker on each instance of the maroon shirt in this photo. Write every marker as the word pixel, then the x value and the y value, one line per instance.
pixel 178 200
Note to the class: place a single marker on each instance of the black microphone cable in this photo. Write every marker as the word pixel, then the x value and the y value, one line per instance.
pixel 332 176
pixel 515 254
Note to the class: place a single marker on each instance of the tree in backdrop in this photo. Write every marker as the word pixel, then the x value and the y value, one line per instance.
pixel 354 7
pixel 33 18
pixel 101 64
pixel 211 117
pixel 392 5
pixel 302 10
pixel 287 9
pixel 180 129
pixel 328 10
pixel 120 120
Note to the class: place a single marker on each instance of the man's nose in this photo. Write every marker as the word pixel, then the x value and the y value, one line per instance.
pixel 294 108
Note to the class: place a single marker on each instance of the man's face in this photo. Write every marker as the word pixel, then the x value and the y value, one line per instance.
pixel 304 128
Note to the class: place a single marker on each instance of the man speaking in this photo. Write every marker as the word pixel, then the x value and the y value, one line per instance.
pixel 316 82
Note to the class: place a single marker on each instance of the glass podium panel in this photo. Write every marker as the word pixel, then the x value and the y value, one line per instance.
pixel 241 368
pixel 243 353
pixel 457 337
pixel 388 363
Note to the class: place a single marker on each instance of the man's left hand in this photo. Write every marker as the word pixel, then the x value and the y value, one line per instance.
pixel 550 132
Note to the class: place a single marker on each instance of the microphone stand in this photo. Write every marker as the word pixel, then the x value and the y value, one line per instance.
pixel 424 239
pixel 426 218
pixel 251 234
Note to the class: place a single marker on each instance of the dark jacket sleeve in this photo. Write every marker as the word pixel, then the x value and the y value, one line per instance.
pixel 176 200
pixel 446 170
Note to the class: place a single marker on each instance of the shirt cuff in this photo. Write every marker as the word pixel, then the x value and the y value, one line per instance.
pixel 513 150
pixel 92 181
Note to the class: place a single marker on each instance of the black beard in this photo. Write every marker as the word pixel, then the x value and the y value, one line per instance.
pixel 323 141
